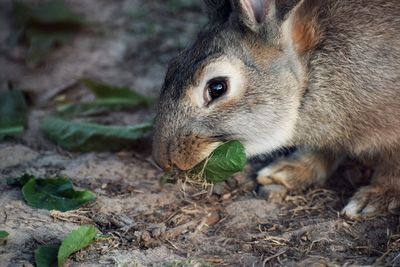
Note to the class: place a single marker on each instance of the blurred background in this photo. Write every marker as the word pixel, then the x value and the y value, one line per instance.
pixel 48 47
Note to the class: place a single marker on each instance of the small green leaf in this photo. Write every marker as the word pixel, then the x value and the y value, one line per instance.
pixel 54 256
pixel 85 109
pixel 228 159
pixel 46 256
pixel 13 113
pixel 55 194
pixel 11 131
pixel 105 91
pixel 90 136
pixel 108 97
pixel 3 234
pixel 75 241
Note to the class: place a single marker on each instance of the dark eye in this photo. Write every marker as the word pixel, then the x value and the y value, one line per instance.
pixel 216 89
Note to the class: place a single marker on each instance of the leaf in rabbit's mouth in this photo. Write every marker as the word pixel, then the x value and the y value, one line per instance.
pixel 226 160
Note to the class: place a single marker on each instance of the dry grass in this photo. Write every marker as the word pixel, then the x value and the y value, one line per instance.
pixel 393 247
pixel 317 200
pixel 79 216
pixel 196 177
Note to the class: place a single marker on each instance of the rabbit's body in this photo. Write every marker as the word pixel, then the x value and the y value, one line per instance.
pixel 352 98
pixel 320 75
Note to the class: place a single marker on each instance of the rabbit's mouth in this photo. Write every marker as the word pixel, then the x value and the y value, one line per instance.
pixel 186 153
pixel 183 151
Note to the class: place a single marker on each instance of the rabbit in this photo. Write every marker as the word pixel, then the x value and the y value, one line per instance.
pixel 322 76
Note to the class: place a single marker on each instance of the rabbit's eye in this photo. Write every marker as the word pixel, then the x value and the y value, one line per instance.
pixel 216 89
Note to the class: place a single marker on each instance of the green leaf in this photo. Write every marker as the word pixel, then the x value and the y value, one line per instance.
pixel 3 234
pixel 90 136
pixel 105 92
pixel 108 97
pixel 13 113
pixel 46 256
pixel 86 109
pixel 11 131
pixel 55 194
pixel 53 256
pixel 228 159
pixel 75 241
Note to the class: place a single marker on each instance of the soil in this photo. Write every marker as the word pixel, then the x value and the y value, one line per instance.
pixel 145 221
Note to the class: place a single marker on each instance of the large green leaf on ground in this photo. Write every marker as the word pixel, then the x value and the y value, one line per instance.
pixel 13 113
pixel 46 256
pixel 108 97
pixel 90 136
pixel 55 194
pixel 228 159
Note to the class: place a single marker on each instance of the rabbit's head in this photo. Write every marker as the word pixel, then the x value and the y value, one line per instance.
pixel 242 79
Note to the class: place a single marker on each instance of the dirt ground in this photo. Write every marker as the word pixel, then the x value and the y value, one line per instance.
pixel 150 223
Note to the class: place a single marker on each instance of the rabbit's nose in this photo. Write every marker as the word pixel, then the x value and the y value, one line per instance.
pixel 162 161
pixel 165 165
pixel 161 154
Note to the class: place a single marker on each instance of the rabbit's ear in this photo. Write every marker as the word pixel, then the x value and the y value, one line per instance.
pixel 301 29
pixel 255 11
pixel 218 9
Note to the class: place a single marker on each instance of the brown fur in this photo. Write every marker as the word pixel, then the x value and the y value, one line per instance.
pixel 185 159
pixel 300 170
pixel 330 82
pixel 305 34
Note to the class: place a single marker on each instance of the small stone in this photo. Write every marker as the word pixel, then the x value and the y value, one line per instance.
pixel 220 189
pixel 247 248
pixel 213 218
pixel 145 236
pixel 158 230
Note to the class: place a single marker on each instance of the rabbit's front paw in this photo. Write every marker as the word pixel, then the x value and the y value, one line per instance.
pixel 373 200
pixel 288 174
pixel 296 172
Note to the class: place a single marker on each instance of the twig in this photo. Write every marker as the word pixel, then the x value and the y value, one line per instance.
pixel 272 257
pixel 174 232
pixel 173 245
